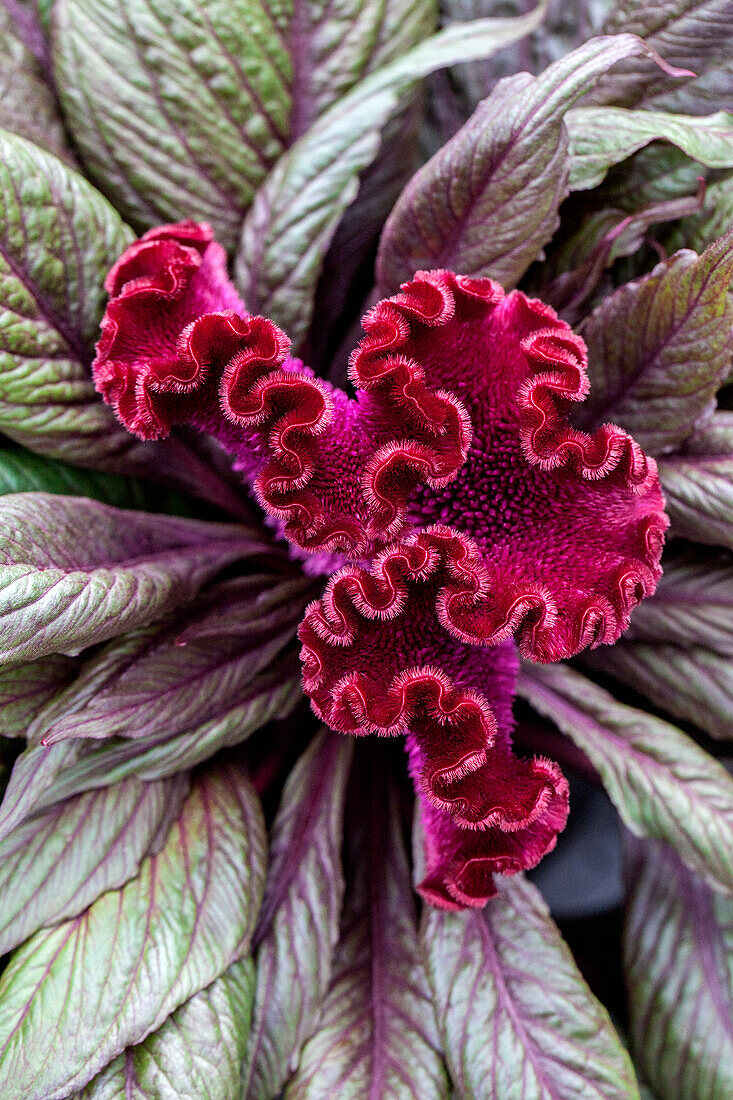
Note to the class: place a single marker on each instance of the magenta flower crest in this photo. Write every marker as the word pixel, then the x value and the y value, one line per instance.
pixel 462 518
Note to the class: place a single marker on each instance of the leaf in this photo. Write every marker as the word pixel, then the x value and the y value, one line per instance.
pixel 488 201
pixel 297 210
pixel 180 107
pixel 42 777
pixel 698 483
pixel 515 1017
pixel 663 785
pixel 693 34
pixel 170 677
pixel 74 572
pixel 693 604
pixel 27 105
pixel 196 1053
pixel 678 952
pixel 26 687
pixel 659 347
pixel 299 921
pixel 57 864
pixel 22 471
pixel 603 136
pixel 376 1034
pixel 693 684
pixel 137 953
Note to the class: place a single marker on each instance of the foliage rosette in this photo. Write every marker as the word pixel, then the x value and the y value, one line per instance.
pixel 366 474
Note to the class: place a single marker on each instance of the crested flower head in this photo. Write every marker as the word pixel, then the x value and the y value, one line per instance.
pixel 460 513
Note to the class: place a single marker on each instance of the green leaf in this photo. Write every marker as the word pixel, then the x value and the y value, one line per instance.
pixel 698 483
pixel 516 1019
pixel 299 921
pixel 678 955
pixel 693 603
pixel 488 201
pixel 180 107
pixel 137 953
pixel 58 237
pixel 602 136
pixel 663 785
pixel 659 347
pixel 26 687
pixel 692 34
pixel 693 684
pixel 711 221
pixel 297 210
pixel 27 105
pixel 376 1033
pixel 170 677
pixel 196 1054
pixel 74 572
pixel 58 863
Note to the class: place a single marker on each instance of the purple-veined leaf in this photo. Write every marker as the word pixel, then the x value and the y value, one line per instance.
pixel 488 201
pixel 26 102
pixel 693 604
pixel 181 107
pixel 299 920
pixel 298 208
pixel 74 572
pixel 603 136
pixel 75 996
pixel 195 1055
pixel 694 684
pixel 659 347
pixel 663 785
pixel 698 483
pixel 710 222
pixel 515 1016
pixel 678 955
pixel 27 686
pixel 171 677
pixel 41 777
pixel 693 34
pixel 376 1035
pixel 55 865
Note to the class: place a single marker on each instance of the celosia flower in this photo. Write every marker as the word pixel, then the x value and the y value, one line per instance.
pixel 462 517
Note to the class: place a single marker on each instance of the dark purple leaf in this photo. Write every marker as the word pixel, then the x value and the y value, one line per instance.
pixel 171 677
pixel 660 347
pixel 137 953
pixel 698 483
pixel 678 946
pixel 376 1036
pixel 663 785
pixel 74 572
pixel 55 865
pixel 488 201
pixel 514 1014
pixel 692 34
pixel 299 920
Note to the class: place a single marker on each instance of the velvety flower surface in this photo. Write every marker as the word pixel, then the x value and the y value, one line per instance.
pixel 460 514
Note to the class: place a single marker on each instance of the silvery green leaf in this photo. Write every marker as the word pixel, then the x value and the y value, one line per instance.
pixel 26 686
pixel 55 865
pixel 137 954
pixel 299 920
pixel 27 104
pixel 516 1019
pixel 195 1055
pixel 678 956
pixel 663 785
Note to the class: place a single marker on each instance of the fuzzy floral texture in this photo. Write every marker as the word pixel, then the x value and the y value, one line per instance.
pixel 461 515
